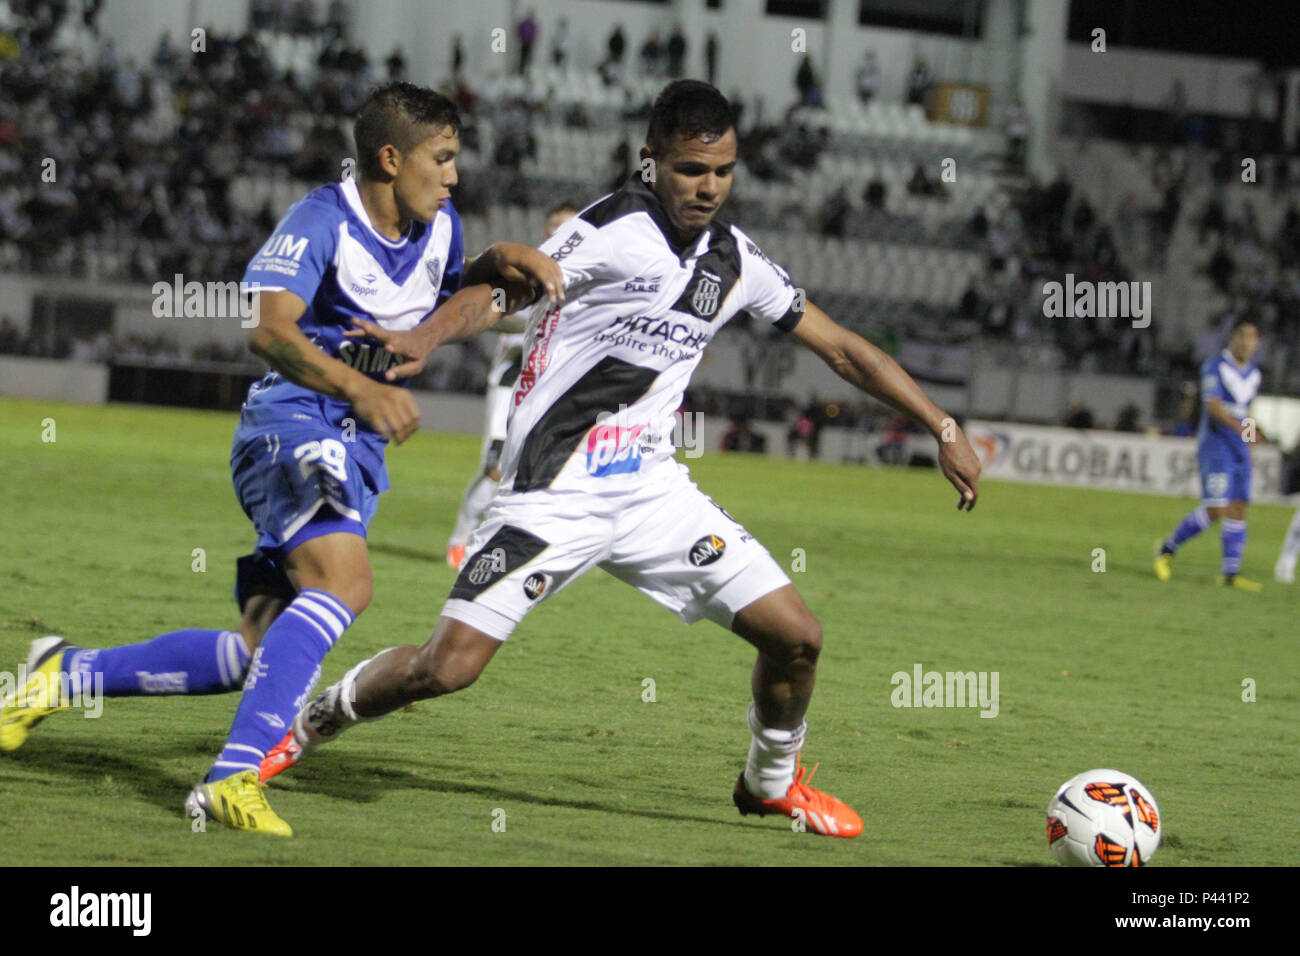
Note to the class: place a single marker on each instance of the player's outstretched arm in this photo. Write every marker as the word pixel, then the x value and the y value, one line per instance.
pixel 392 412
pixel 513 263
pixel 470 311
pixel 866 367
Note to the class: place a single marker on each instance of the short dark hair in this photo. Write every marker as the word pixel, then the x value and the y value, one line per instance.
pixel 399 114
pixel 564 205
pixel 691 109
pixel 1238 323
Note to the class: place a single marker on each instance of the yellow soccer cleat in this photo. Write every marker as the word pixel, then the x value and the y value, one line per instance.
pixel 237 802
pixel 43 692
pixel 1164 566
pixel 1240 583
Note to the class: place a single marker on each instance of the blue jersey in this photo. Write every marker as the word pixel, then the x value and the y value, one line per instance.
pixel 326 252
pixel 1236 387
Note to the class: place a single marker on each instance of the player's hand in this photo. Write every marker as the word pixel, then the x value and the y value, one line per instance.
pixel 413 345
pixel 389 410
pixel 515 262
pixel 961 466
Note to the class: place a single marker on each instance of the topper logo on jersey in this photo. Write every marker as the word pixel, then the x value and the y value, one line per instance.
pixel 613 449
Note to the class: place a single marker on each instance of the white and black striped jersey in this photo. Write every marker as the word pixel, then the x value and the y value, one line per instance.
pixel 604 373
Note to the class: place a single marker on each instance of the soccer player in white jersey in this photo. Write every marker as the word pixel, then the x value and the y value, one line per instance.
pixel 588 473
pixel 308 462
pixel 503 371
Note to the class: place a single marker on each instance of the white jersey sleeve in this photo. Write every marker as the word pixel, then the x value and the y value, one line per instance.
pixel 766 289
pixel 582 253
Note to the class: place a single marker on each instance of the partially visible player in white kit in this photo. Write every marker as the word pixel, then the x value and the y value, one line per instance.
pixel 503 371
pixel 1284 570
pixel 589 476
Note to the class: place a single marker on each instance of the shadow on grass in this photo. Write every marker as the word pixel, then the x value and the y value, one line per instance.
pixel 139 770
pixel 359 780
pixel 342 777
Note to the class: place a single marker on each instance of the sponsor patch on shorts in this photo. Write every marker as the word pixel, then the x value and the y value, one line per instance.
pixel 707 550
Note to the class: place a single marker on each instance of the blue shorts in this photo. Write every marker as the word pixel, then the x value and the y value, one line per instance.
pixel 299 480
pixel 1223 479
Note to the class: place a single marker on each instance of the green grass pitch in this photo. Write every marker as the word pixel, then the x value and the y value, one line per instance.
pixel 1096 669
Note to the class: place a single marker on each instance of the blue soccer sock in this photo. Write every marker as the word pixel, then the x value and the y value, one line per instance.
pixel 1234 542
pixel 1193 524
pixel 281 678
pixel 182 662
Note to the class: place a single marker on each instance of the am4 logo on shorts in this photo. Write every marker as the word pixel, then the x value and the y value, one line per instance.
pixel 707 550
pixel 535 585
pixel 613 450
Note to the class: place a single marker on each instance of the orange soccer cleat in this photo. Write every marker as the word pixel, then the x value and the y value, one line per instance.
pixel 819 811
pixel 455 555
pixel 280 757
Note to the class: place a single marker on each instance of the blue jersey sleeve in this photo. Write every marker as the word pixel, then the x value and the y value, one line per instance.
pixel 455 271
pixel 300 250
pixel 1212 382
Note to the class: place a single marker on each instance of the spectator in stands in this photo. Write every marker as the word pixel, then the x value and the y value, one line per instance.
pixel 873 194
pixel 1128 418
pixel 711 63
pixel 893 448
pixel 676 52
pixel 919 83
pixel 652 52
pixel 621 163
pixel 1016 127
pixel 805 81
pixel 1189 412
pixel 868 76
pixel 1080 416
pixel 616 44
pixel 1221 268
pixel 741 436
pixel 396 64
pixel 835 213
pixel 457 57
pixel 1213 220
pixel 526 31
pixel 923 185
pixel 971 304
pixel 560 43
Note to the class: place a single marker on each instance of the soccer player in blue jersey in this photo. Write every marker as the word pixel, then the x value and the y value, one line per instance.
pixel 1229 383
pixel 308 456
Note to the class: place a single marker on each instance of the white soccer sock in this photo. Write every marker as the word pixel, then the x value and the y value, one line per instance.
pixel 1291 544
pixel 773 755
pixel 477 497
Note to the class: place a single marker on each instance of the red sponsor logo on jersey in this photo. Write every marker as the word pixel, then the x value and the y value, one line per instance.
pixel 538 355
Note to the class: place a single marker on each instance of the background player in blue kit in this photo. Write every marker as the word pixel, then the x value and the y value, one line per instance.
pixel 308 456
pixel 1229 383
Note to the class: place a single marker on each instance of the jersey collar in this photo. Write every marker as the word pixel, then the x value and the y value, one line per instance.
pixel 353 196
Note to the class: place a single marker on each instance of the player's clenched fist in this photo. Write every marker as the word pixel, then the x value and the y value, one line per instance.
pixel 391 411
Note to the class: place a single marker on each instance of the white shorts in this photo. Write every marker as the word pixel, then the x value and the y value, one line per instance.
pixel 668 540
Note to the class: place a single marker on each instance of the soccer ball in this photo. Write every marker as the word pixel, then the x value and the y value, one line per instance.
pixel 1103 818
